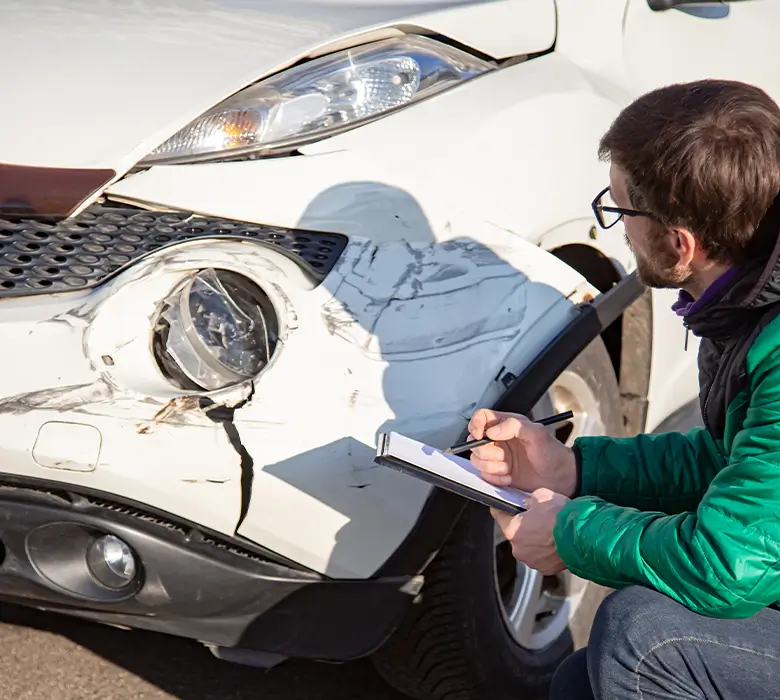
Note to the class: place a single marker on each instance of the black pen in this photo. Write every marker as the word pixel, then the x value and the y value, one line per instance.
pixel 550 420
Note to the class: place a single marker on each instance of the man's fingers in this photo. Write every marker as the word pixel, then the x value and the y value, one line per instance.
pixel 498 426
pixel 492 468
pixel 508 428
pixel 517 426
pixel 495 479
pixel 489 453
pixel 477 424
pixel 503 518
pixel 542 495
pixel 483 418
pixel 506 521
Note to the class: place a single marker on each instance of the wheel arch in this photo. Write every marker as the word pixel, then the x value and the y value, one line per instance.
pixel 629 340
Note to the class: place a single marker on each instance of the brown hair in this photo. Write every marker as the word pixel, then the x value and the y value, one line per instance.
pixel 703 155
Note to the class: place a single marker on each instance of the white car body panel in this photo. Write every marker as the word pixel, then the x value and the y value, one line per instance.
pixel 674 379
pixel 361 183
pixel 351 348
pixel 477 148
pixel 732 47
pixel 408 337
pixel 125 78
pixel 201 480
pixel 450 205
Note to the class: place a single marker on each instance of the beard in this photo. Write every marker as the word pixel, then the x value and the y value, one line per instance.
pixel 661 271
pixel 652 274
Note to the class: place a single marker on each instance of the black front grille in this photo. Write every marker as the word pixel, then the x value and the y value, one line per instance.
pixel 44 257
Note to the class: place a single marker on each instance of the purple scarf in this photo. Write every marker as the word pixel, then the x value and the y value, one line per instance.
pixel 686 304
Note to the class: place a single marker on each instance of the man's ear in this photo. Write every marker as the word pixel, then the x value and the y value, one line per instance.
pixel 686 246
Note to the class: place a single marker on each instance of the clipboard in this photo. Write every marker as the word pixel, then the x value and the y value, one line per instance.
pixel 447 471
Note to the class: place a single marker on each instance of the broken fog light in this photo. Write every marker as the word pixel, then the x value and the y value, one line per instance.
pixel 219 329
pixel 111 562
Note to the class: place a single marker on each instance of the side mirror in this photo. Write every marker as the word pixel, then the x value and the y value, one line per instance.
pixel 661 5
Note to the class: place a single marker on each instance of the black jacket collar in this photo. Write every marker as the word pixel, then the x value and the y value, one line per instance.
pixel 738 307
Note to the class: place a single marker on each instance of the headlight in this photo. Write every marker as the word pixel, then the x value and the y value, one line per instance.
pixel 320 97
pixel 219 329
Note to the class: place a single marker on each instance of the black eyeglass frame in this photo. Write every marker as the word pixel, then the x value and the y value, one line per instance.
pixel 598 209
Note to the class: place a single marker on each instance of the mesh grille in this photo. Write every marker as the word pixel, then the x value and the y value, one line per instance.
pixel 44 257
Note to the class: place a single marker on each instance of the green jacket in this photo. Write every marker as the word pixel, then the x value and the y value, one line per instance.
pixel 696 516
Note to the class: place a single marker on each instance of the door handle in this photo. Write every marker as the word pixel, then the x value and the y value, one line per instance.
pixel 663 5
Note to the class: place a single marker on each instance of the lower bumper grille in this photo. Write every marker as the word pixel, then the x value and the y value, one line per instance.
pixel 189 584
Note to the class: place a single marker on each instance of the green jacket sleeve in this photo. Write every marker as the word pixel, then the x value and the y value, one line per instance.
pixel 720 560
pixel 668 472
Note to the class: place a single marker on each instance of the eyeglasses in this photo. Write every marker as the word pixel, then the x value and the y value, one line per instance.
pixel 607 214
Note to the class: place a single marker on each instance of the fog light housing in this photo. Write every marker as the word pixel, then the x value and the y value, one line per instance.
pixel 111 562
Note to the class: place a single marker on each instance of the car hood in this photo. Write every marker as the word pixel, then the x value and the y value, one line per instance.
pixel 100 83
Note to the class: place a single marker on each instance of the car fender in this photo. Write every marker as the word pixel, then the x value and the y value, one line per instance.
pixel 400 336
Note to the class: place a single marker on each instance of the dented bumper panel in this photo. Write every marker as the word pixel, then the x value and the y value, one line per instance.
pixel 410 336
pixel 88 403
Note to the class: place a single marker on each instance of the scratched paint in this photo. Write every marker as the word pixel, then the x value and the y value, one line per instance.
pixel 404 297
pixel 84 358
pixel 402 336
pixel 405 336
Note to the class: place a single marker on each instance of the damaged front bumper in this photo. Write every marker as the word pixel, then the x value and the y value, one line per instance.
pixel 87 402
pixel 188 582
pixel 284 458
pixel 371 335
pixel 98 441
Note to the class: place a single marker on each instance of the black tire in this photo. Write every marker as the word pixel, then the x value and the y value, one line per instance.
pixel 454 642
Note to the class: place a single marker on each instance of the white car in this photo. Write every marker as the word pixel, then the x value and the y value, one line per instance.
pixel 240 239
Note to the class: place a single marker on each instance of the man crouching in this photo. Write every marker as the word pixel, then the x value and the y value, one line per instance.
pixel 685 527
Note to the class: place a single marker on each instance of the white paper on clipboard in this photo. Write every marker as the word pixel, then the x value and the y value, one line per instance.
pixel 452 469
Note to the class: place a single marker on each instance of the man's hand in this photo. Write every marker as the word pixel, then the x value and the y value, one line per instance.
pixel 531 533
pixel 525 455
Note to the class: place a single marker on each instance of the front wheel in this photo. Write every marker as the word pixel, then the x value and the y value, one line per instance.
pixel 485 626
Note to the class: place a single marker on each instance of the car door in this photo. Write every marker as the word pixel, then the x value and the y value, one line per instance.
pixel 734 40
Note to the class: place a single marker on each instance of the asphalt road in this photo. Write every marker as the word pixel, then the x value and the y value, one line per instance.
pixel 51 657
pixel 45 657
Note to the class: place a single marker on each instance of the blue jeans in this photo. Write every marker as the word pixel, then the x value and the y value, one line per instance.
pixel 645 646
